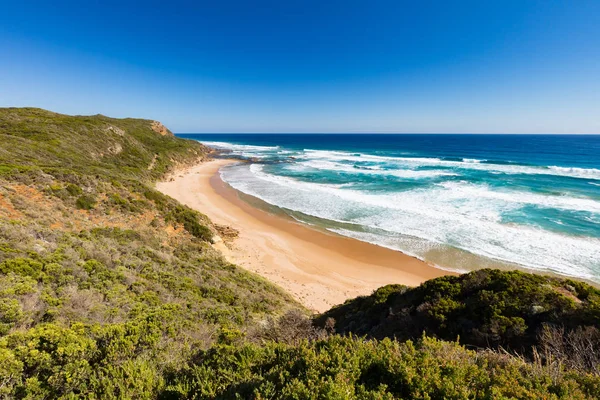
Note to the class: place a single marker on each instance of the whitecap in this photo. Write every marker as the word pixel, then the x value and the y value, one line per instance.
pixel 458 214
pixel 238 147
pixel 480 165
pixel 374 170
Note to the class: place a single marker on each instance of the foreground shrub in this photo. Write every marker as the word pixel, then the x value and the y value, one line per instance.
pixel 351 368
pixel 578 348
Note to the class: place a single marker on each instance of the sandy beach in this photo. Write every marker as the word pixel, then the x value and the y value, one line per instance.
pixel 319 269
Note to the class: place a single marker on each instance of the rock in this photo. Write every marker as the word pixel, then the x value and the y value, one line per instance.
pixel 115 130
pixel 160 129
pixel 226 232
pixel 38 248
pixel 116 148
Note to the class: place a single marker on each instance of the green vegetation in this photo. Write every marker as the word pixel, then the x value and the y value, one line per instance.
pixel 126 148
pixel 486 309
pixel 112 290
pixel 106 285
pixel 85 202
pixel 345 368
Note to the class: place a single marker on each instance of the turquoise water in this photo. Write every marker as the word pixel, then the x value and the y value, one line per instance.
pixel 459 201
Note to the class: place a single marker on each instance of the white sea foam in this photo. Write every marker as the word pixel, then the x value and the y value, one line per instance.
pixel 407 163
pixel 459 214
pixel 243 150
pixel 239 147
pixel 473 160
pixel 375 170
pixel 591 173
pixel 483 192
pixel 480 165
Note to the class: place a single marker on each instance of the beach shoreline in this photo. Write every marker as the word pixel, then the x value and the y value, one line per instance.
pixel 318 268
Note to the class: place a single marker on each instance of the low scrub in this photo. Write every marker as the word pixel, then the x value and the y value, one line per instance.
pixel 352 368
pixel 484 309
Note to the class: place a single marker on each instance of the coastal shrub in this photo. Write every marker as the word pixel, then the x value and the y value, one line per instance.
pixel 10 314
pixel 118 361
pixel 74 190
pixel 292 327
pixel 122 236
pixel 485 308
pixel 189 219
pixel 126 204
pixel 157 197
pixel 352 368
pixel 117 200
pixel 50 361
pixel 23 266
pixel 576 349
pixel 85 202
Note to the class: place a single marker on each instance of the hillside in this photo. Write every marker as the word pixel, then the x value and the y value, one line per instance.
pixel 100 274
pixel 134 148
pixel 109 289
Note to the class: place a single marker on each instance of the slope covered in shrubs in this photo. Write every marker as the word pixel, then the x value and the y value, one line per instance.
pixel 351 368
pixel 33 138
pixel 485 309
pixel 105 283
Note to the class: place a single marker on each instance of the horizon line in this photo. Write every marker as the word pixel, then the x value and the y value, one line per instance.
pixel 387 133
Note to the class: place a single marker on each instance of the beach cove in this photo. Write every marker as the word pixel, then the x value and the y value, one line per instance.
pixel 318 268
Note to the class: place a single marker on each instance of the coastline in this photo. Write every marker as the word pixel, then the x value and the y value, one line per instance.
pixel 318 268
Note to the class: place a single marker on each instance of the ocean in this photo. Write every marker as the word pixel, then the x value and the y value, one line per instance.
pixel 461 202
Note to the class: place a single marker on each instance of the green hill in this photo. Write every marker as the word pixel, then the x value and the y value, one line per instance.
pixel 111 290
pixel 101 277
pixel 134 148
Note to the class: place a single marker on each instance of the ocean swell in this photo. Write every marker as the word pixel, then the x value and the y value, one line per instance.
pixel 422 205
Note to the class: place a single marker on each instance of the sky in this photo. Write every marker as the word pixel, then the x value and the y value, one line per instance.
pixel 504 66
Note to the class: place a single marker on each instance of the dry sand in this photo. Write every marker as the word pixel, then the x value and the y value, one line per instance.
pixel 318 268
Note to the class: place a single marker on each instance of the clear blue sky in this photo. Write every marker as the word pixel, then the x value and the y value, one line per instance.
pixel 310 66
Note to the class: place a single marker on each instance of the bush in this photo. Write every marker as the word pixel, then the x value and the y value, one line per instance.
pixel 291 328
pixel 576 349
pixel 351 368
pixel 485 308
pixel 189 219
pixel 86 202
pixel 73 189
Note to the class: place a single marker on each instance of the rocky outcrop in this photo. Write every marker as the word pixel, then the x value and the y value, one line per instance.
pixel 227 233
pixel 161 129
pixel 115 130
pixel 115 148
